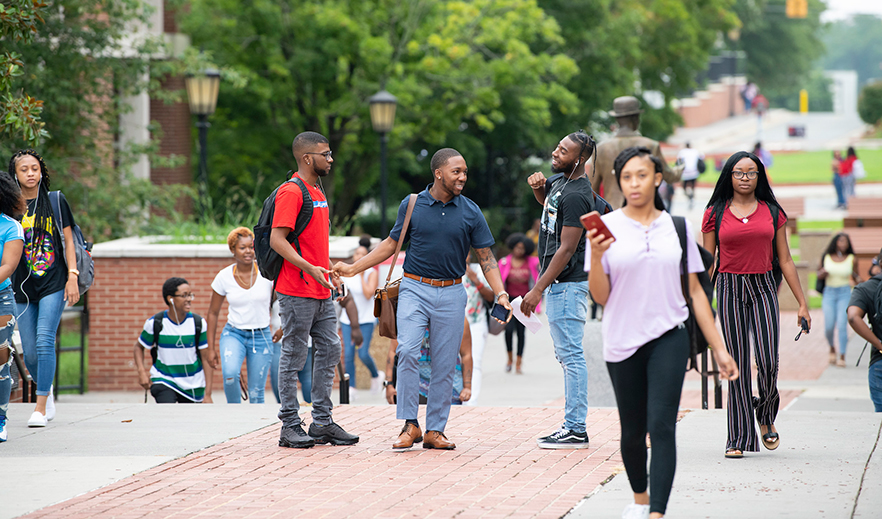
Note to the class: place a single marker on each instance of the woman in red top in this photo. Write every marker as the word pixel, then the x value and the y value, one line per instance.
pixel 747 292
pixel 846 172
pixel 519 271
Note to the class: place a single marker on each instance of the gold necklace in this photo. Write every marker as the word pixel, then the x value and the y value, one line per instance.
pixel 239 280
pixel 744 219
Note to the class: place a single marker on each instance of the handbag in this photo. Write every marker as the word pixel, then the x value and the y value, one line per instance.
pixel 386 298
pixel 820 285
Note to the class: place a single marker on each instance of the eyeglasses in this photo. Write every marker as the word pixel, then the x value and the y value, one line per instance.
pixel 188 295
pixel 325 154
pixel 750 175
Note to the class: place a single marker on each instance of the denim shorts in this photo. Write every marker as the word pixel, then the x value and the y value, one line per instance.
pixel 7 307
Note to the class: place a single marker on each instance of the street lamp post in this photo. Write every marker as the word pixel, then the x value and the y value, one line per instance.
pixel 202 90
pixel 382 105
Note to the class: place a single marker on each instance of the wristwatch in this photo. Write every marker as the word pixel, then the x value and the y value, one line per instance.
pixel 500 295
pixel 386 383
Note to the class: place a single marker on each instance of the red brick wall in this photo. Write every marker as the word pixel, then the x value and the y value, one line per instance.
pixel 126 292
pixel 174 120
pixel 715 105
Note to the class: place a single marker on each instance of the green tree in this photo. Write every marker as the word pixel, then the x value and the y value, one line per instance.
pixel 461 71
pixel 781 51
pixel 83 63
pixel 19 112
pixel 870 103
pixel 855 44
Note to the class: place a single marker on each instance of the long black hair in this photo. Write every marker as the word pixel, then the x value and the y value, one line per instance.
pixel 43 214
pixel 628 154
pixel 831 247
pixel 724 192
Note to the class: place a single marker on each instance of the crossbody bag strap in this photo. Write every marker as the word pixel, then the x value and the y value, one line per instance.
pixel 680 227
pixel 410 205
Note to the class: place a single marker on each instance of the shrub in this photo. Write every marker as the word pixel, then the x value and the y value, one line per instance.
pixel 870 103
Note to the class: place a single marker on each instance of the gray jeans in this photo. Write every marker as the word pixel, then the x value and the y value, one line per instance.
pixel 304 317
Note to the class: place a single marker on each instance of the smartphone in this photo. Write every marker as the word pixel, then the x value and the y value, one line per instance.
pixel 592 221
pixel 499 312
pixel 337 294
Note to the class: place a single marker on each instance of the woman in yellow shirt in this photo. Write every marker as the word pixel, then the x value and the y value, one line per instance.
pixel 837 269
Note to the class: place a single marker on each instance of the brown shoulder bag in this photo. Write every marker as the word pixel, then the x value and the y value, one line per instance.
pixel 386 298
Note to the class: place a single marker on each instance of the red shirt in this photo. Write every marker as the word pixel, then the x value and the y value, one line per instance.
pixel 847 165
pixel 313 241
pixel 745 248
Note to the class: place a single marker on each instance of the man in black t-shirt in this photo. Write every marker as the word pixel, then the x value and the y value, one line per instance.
pixel 863 302
pixel 565 197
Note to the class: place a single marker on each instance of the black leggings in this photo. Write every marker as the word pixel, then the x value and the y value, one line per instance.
pixel 647 387
pixel 514 326
pixel 166 395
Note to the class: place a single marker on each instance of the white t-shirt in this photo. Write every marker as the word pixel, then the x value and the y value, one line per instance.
pixel 689 157
pixel 363 302
pixel 249 309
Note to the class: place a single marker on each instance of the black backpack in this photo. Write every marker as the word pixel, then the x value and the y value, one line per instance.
pixel 700 343
pixel 776 266
pixel 157 329
pixel 269 262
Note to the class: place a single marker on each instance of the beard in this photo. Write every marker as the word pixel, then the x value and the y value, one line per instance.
pixel 323 172
pixel 563 168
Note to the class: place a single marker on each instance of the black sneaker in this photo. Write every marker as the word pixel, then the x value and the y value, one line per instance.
pixel 295 438
pixel 331 433
pixel 564 439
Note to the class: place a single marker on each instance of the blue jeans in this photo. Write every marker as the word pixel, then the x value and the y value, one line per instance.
pixel 835 306
pixel 364 352
pixel 875 377
pixel 7 307
pixel 38 325
pixel 442 311
pixel 305 374
pixel 254 347
pixel 567 309
pixel 840 190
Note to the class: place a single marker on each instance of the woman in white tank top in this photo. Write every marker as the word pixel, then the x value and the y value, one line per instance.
pixel 837 270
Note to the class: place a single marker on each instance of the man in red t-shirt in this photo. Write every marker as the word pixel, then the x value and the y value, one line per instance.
pixel 304 292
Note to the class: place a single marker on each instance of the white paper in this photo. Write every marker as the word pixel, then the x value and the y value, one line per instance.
pixel 532 323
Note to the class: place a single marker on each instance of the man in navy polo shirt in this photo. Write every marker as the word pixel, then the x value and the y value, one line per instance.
pixel 443 228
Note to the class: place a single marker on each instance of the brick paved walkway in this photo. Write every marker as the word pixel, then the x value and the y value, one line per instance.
pixel 495 471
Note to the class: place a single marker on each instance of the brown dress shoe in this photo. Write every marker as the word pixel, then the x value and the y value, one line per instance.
pixel 437 440
pixel 410 434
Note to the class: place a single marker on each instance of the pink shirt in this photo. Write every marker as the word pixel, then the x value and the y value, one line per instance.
pixel 646 298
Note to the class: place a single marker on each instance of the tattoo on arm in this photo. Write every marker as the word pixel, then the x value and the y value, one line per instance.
pixel 487 260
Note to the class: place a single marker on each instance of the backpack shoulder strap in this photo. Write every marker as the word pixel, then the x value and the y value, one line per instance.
pixel 305 214
pixel 680 226
pixel 157 329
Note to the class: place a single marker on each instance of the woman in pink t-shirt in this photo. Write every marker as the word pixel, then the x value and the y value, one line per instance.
pixel 747 292
pixel 636 276
pixel 519 271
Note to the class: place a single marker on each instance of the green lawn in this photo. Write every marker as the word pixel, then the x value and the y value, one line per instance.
pixel 812 167
pixel 69 361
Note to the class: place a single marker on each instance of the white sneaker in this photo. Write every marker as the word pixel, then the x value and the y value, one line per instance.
pixel 37 420
pixel 50 406
pixel 635 511
pixel 377 383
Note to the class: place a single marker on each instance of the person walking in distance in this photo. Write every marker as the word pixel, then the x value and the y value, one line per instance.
pixel 837 270
pixel 744 223
pixel 636 274
pixel 304 292
pixel 519 271
pixel 444 226
pixel 689 158
pixel 565 197
pixel 361 288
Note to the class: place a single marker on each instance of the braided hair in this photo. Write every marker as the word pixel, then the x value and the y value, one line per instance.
pixel 628 154
pixel 43 214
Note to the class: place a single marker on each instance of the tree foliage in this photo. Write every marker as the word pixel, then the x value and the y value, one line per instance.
pixel 19 112
pixel 855 44
pixel 870 103
pixel 82 61
pixel 781 51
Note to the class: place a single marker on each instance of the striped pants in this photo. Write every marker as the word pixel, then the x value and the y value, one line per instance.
pixel 748 306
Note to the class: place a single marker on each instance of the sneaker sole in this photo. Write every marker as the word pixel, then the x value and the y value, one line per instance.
pixel 321 440
pixel 299 445
pixel 562 445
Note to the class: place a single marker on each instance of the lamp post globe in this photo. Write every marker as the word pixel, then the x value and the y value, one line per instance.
pixel 382 107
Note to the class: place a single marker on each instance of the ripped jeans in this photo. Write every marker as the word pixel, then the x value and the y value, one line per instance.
pixel 7 308
pixel 256 348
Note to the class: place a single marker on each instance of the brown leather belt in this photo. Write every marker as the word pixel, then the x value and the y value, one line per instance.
pixel 434 282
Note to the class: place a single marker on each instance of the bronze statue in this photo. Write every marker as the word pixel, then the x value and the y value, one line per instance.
pixel 627 112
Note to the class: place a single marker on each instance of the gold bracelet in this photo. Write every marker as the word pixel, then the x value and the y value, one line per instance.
pixel 74 271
